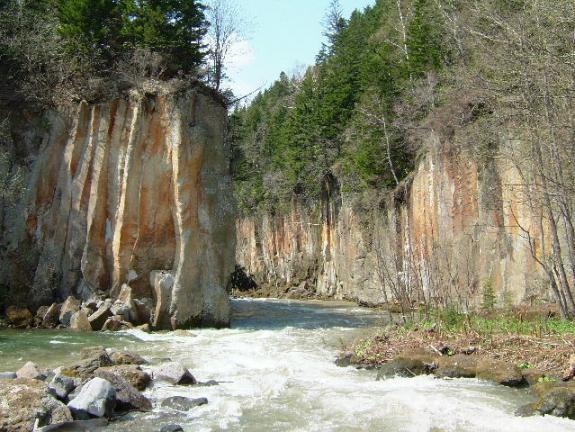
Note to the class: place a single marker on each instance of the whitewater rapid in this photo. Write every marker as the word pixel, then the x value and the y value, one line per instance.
pixel 276 372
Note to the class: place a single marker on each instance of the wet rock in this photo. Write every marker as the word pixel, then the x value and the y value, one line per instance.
pixel 162 282
pixel 181 403
pixel 174 373
pixel 532 376
pixel 19 317
pixel 70 306
pixel 25 403
pixel 457 366
pixel 97 399
pixel 558 402
pixel 408 365
pixel 144 327
pixel 126 304
pixel 40 313
pixel 99 318
pixel 76 426
pixel 8 375
pixel 171 428
pixel 144 308
pixel 500 372
pixel 209 383
pixel 127 397
pixel 79 322
pixel 345 359
pixel 126 358
pixel 133 374
pixel 91 359
pixel 31 371
pixel 52 316
pixel 61 386
pixel 116 323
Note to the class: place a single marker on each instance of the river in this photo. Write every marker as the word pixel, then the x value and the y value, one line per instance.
pixel 276 373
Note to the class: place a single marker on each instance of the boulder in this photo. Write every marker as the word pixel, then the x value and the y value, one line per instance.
pixel 70 306
pixel 96 399
pixel 31 371
pixel 19 317
pixel 133 374
pixel 40 313
pixel 127 397
pixel 79 322
pixel 76 426
pixel 181 403
pixel 171 428
pixel 346 359
pixel 127 358
pixel 500 372
pixel 144 308
pixel 61 386
pixel 52 316
pixel 25 403
pixel 532 375
pixel 162 282
pixel 99 318
pixel 558 402
pixel 174 373
pixel 91 359
pixel 457 366
pixel 98 352
pixel 408 365
pixel 8 375
pixel 116 323
pixel 144 327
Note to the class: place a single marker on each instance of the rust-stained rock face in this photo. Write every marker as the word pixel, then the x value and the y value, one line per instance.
pixel 452 229
pixel 129 187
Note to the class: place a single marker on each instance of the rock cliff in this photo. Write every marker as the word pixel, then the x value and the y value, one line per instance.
pixel 133 191
pixel 449 234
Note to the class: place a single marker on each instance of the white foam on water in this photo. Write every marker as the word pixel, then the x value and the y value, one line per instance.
pixel 285 380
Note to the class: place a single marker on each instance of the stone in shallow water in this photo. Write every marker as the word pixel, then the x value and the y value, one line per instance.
pixel 31 371
pixel 97 398
pixel 171 428
pixel 131 373
pixel 79 322
pixel 181 403
pixel 174 373
pixel 61 386
pixel 8 375
pixel 127 358
pixel 52 316
pixel 127 397
pixel 70 306
pixel 76 426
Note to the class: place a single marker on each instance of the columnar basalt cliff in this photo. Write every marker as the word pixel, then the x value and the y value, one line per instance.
pixel 133 191
pixel 449 234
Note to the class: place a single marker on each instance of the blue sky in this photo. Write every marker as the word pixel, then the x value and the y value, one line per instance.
pixel 281 35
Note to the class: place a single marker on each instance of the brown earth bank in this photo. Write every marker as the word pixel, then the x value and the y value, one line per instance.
pixel 516 348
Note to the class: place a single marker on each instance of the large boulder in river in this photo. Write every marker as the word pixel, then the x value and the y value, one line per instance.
pixel 181 403
pixel 96 399
pixel 500 372
pixel 127 396
pixel 131 373
pixel 408 364
pixel 79 322
pixel 174 373
pixel 24 402
pixel 52 316
pixel 126 358
pixel 456 366
pixel 102 314
pixel 69 308
pixel 19 317
pixel 90 360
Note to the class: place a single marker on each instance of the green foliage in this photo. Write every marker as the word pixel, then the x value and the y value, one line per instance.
pixel 489 298
pixel 524 365
pixel 340 115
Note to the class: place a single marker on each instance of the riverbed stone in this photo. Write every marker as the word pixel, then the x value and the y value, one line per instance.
pixel 61 386
pixel 499 372
pixel 456 366
pixel 181 403
pixel 79 322
pixel 52 316
pixel 346 359
pixel 131 373
pixel 408 364
pixel 90 360
pixel 171 428
pixel 8 375
pixel 19 317
pixel 70 306
pixel 127 396
pixel 31 371
pixel 91 425
pixel 116 323
pixel 126 358
pixel 97 399
pixel 99 318
pixel 40 313
pixel 25 403
pixel 558 402
pixel 174 373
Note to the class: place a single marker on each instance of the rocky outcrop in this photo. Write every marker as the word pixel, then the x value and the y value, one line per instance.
pixel 450 232
pixel 121 189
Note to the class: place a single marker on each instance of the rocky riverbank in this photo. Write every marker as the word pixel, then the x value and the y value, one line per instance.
pixel 99 388
pixel 544 364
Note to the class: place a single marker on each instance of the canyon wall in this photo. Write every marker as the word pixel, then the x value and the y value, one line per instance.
pixel 133 191
pixel 451 233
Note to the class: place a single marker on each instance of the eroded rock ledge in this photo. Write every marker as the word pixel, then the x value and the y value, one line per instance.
pixel 134 191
